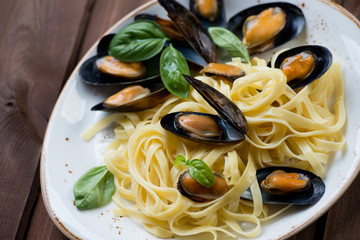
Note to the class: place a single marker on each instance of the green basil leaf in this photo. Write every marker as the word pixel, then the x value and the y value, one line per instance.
pixel 137 41
pixel 201 172
pixel 228 41
pixel 172 66
pixel 94 189
pixel 179 160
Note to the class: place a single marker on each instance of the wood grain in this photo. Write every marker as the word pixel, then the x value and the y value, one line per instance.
pixel 36 46
pixel 98 17
pixel 104 15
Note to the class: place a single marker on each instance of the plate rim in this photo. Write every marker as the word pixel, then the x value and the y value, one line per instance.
pixel 344 185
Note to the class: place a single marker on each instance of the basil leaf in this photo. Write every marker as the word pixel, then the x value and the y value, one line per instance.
pixel 179 160
pixel 228 41
pixel 94 189
pixel 172 66
pixel 137 41
pixel 201 172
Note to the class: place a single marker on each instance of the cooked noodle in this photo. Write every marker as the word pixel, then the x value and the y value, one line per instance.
pixel 298 129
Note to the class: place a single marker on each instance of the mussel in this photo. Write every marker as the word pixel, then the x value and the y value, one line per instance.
pixel 103 69
pixel 193 190
pixel 280 185
pixel 192 29
pixel 302 65
pixel 223 105
pixel 166 25
pixel 286 185
pixel 266 26
pixel 222 71
pixel 135 98
pixel 280 182
pixel 177 39
pixel 113 67
pixel 230 127
pixel 209 12
pixel 201 127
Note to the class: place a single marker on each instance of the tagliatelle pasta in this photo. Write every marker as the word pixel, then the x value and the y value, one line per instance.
pixel 286 128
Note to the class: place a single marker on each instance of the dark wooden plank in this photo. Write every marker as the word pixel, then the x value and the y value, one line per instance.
pixel 41 227
pixel 308 233
pixel 105 14
pixel 314 231
pixel 343 218
pixel 36 46
pixel 99 15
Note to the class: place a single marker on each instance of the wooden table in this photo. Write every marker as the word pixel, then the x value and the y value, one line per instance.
pixel 41 41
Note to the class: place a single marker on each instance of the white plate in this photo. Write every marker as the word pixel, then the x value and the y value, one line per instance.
pixel 66 156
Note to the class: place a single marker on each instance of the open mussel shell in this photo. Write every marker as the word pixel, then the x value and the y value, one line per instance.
pixel 222 71
pixel 180 44
pixel 223 105
pixel 166 25
pixel 213 17
pixel 90 74
pixel 322 62
pixel 228 134
pixel 193 190
pixel 158 94
pixel 295 22
pixel 192 29
pixel 310 195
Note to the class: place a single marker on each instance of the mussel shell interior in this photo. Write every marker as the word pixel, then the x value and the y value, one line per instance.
pixel 158 95
pixel 91 75
pixel 309 196
pixel 229 133
pixel 295 21
pixel 323 61
pixel 219 21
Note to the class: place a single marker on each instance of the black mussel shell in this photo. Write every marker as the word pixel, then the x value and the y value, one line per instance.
pixel 323 60
pixel 154 18
pixel 189 53
pixel 311 195
pixel 91 75
pixel 183 46
pixel 159 94
pixel 223 105
pixel 192 29
pixel 219 20
pixel 104 43
pixel 196 198
pixel 295 21
pixel 229 133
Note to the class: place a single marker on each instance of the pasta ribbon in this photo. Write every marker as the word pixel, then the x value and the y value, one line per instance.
pixel 286 128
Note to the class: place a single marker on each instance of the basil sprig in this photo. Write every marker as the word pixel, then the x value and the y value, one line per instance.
pixel 228 41
pixel 94 189
pixel 138 41
pixel 172 67
pixel 198 170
